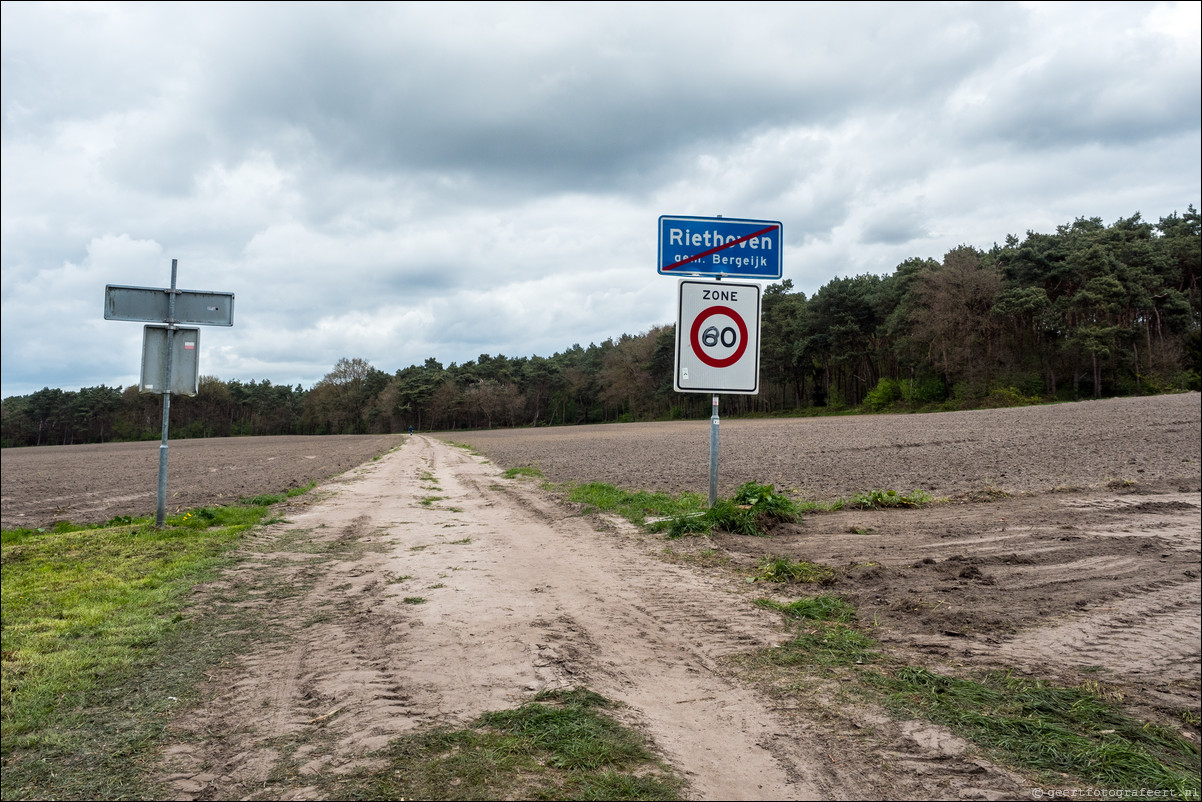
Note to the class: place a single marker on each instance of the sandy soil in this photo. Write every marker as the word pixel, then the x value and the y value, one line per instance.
pixel 1070 551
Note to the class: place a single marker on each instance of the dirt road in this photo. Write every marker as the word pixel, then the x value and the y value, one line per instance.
pixel 426 588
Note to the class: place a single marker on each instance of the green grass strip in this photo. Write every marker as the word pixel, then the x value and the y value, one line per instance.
pixel 84 612
pixel 1054 731
pixel 268 499
pixel 752 510
pixel 1051 729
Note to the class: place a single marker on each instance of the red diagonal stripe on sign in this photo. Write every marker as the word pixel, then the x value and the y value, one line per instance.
pixel 722 247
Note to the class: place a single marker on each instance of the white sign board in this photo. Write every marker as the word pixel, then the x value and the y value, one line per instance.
pixel 717 338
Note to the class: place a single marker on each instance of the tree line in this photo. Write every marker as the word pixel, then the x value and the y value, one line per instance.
pixel 1085 312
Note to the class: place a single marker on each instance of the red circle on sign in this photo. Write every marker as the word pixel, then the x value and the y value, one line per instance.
pixel 706 315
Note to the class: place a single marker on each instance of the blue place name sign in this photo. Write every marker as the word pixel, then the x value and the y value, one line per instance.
pixel 719 246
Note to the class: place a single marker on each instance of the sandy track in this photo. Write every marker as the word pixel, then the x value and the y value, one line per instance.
pixel 519 596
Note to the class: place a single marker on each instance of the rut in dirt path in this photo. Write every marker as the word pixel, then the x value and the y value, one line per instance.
pixel 428 589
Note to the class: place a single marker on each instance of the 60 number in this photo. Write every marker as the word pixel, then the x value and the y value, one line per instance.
pixel 711 337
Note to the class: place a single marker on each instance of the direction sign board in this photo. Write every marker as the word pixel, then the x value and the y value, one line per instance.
pixel 720 246
pixel 717 338
pixel 185 360
pixel 150 305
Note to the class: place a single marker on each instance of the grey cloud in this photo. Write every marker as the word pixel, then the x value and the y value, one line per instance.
pixel 582 110
pixel 893 230
pixel 351 162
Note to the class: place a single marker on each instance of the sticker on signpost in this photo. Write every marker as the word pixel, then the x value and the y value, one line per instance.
pixel 717 338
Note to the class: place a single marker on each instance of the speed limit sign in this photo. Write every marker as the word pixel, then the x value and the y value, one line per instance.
pixel 718 338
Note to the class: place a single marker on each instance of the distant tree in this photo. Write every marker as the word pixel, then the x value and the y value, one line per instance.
pixel 626 379
pixel 783 319
pixel 953 317
pixel 337 404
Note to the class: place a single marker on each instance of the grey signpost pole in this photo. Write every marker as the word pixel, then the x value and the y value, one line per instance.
pixel 714 422
pixel 714 453
pixel 160 513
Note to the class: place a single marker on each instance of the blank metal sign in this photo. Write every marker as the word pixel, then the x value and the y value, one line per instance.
pixel 150 305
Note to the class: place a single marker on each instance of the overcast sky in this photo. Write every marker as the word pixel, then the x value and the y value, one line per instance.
pixel 403 181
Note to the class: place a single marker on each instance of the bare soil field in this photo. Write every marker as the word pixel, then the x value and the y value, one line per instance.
pixel 96 483
pixel 1149 442
pixel 1067 547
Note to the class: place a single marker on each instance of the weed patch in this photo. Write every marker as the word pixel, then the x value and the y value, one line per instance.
pixel 830 644
pixel 751 511
pixel 884 499
pixel 815 608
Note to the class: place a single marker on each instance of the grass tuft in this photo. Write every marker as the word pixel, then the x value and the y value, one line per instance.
pixel 826 644
pixel 513 473
pixel 560 745
pixel 782 569
pixel 814 608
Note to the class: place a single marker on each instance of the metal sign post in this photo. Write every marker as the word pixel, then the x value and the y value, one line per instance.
pixel 714 452
pixel 160 509
pixel 170 307
pixel 718 322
